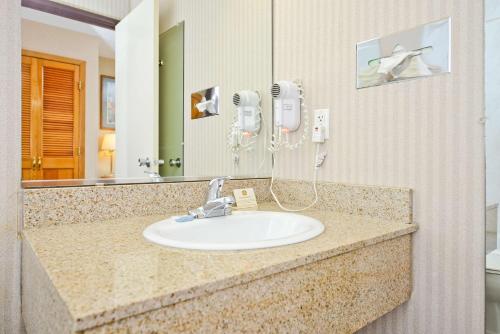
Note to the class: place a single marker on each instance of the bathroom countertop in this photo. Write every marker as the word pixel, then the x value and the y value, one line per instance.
pixel 107 271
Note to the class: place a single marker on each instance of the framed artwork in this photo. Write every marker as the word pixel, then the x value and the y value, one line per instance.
pixel 108 112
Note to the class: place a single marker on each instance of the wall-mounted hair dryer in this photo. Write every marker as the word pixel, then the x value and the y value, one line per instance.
pixel 288 102
pixel 287 95
pixel 246 124
pixel 248 115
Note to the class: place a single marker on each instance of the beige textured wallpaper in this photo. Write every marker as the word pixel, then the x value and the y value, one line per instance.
pixel 10 164
pixel 424 134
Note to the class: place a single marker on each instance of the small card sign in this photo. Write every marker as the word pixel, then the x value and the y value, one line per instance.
pixel 245 198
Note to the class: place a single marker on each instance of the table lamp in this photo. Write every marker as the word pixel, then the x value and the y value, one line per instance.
pixel 109 145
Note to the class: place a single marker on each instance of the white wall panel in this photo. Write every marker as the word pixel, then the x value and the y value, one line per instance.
pixel 136 74
pixel 424 134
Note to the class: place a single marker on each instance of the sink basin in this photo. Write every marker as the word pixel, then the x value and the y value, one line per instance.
pixel 239 231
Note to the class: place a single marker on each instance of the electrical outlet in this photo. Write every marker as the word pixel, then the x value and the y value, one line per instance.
pixel 322 118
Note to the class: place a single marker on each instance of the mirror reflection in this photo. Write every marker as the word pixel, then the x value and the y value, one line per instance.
pixel 178 89
pixel 492 140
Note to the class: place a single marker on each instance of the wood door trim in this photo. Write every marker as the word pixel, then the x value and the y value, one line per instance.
pixel 83 91
pixel 72 13
pixel 28 162
pixel 48 56
pixel 82 73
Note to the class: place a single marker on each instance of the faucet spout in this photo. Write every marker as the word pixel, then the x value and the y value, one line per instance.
pixel 216 205
pixel 215 188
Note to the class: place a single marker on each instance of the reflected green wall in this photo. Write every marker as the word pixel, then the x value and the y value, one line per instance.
pixel 171 128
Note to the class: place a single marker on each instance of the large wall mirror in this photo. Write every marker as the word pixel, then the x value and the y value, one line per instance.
pixel 178 89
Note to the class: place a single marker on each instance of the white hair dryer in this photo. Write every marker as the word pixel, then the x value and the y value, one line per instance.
pixel 287 95
pixel 247 104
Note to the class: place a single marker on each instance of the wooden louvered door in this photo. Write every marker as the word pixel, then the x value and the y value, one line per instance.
pixel 60 120
pixel 30 119
pixel 55 116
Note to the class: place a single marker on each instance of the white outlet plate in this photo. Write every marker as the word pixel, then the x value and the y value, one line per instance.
pixel 322 118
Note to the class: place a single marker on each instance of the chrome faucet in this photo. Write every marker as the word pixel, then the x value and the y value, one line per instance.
pixel 146 162
pixel 215 188
pixel 215 205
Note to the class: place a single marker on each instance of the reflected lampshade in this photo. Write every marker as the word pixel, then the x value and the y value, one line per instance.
pixel 108 142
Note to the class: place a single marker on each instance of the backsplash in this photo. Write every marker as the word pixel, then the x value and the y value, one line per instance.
pixel 56 206
pixel 389 203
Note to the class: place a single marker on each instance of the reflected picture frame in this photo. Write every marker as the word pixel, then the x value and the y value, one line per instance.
pixel 108 103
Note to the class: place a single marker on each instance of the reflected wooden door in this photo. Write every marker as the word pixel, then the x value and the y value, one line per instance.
pixel 60 133
pixel 30 108
pixel 54 111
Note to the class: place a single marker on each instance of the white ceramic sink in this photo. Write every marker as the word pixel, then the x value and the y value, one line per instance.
pixel 239 231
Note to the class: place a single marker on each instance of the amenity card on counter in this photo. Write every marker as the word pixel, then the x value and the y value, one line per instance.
pixel 245 198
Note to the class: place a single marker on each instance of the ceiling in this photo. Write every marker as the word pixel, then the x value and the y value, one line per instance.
pixel 106 37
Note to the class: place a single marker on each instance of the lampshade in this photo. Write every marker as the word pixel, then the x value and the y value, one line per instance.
pixel 109 142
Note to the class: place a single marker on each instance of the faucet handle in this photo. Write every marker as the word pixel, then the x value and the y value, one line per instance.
pixel 144 162
pixel 215 187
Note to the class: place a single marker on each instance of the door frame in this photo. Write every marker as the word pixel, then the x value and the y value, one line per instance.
pixel 82 65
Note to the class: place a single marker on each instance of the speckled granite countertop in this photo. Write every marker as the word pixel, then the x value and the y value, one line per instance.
pixel 107 271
